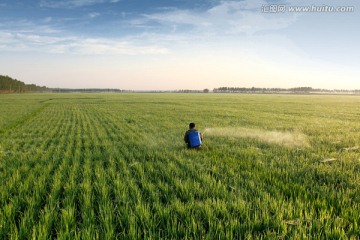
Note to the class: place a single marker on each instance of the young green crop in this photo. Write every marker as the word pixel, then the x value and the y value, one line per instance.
pixel 114 166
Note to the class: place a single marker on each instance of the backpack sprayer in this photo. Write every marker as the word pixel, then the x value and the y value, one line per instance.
pixel 194 139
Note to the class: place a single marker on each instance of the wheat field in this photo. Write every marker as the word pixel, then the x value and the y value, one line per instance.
pixel 114 166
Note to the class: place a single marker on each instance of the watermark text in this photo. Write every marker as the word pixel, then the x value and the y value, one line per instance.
pixel 281 8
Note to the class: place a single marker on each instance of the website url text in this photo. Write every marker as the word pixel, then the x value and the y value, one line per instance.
pixel 279 8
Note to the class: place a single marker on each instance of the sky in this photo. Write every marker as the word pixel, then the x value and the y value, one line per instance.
pixel 181 44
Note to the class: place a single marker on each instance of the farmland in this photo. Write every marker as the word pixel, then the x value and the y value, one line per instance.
pixel 113 166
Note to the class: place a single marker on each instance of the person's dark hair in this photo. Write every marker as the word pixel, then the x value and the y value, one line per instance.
pixel 192 125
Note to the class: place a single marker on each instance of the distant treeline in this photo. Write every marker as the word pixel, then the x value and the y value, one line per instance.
pixel 86 90
pixel 10 85
pixel 297 90
pixel 191 91
pixel 112 90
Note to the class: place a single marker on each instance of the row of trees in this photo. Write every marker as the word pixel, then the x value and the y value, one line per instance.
pixel 86 90
pixel 10 85
pixel 297 90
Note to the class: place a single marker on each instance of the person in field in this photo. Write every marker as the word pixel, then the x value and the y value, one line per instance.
pixel 193 138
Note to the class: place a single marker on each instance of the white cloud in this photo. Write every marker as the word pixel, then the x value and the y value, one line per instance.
pixel 25 26
pixel 27 36
pixel 20 42
pixel 94 14
pixel 99 46
pixel 229 17
pixel 47 20
pixel 72 3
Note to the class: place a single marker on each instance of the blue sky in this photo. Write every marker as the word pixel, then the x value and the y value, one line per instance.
pixel 180 44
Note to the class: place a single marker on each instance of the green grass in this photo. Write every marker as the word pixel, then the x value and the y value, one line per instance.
pixel 114 166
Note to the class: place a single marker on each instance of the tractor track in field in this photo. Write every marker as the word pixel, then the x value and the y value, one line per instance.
pixel 23 119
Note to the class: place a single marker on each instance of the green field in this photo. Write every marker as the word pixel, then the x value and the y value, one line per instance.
pixel 114 166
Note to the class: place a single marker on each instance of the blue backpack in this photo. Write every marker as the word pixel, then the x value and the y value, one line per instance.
pixel 194 139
